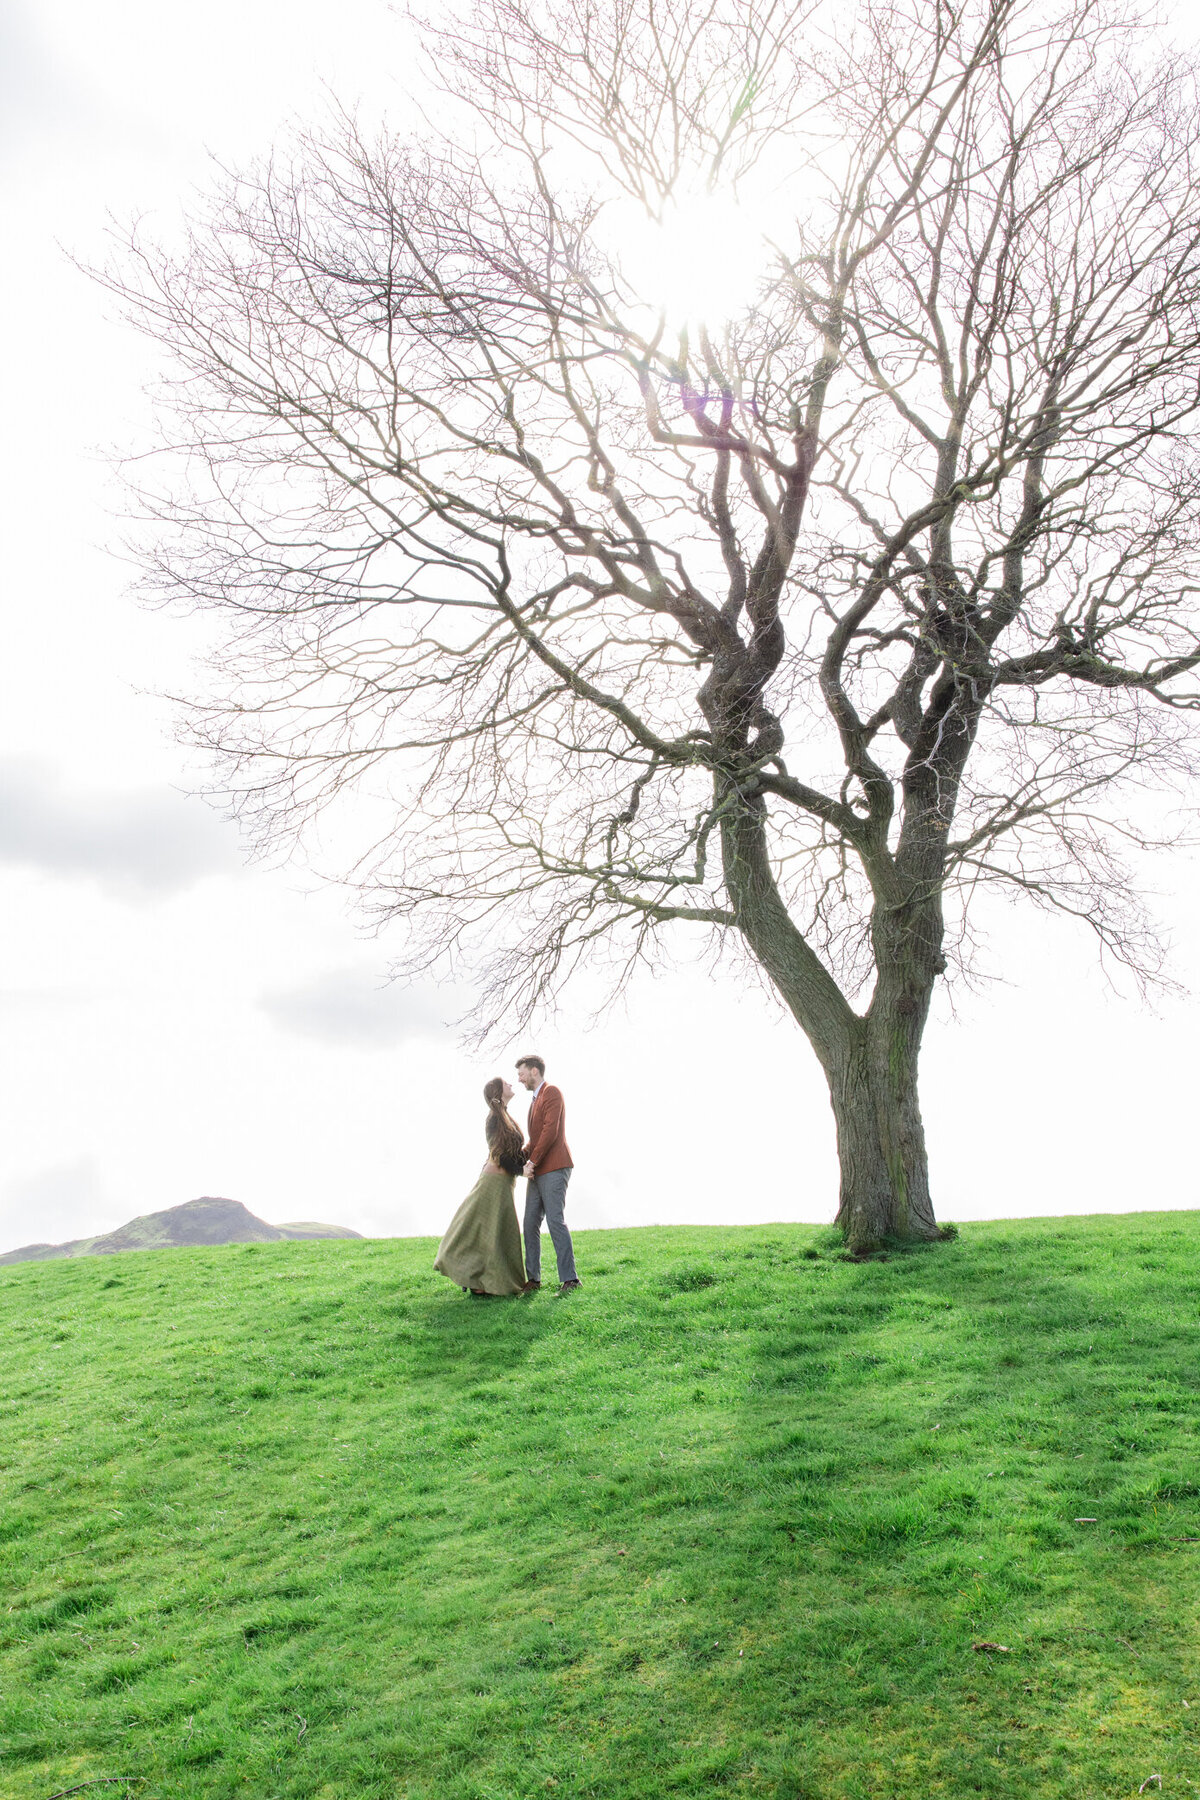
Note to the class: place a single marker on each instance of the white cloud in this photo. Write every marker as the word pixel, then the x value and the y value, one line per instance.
pixel 355 1007
pixel 143 1065
pixel 148 841
pixel 46 1207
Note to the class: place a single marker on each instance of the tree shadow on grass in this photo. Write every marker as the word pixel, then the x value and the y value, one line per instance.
pixel 845 1476
pixel 923 1442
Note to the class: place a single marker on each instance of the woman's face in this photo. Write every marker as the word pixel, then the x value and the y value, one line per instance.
pixel 506 1092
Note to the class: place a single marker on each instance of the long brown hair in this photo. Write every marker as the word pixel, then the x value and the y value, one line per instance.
pixel 504 1136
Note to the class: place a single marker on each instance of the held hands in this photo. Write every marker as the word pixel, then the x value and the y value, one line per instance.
pixel 529 1171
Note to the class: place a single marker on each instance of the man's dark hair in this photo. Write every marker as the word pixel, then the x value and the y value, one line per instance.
pixel 532 1062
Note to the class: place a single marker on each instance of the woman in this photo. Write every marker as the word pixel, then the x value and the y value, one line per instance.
pixel 482 1249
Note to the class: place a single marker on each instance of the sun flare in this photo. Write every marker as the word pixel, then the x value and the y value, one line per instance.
pixel 700 265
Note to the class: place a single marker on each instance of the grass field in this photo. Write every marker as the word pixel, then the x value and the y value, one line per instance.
pixel 301 1520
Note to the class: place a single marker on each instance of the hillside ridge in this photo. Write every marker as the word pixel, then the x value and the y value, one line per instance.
pixel 211 1219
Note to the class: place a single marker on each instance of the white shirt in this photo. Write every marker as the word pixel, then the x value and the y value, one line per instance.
pixel 537 1090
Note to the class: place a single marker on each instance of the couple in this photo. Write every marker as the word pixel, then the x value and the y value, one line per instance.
pixel 482 1249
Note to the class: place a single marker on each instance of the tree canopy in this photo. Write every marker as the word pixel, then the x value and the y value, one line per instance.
pixel 791 624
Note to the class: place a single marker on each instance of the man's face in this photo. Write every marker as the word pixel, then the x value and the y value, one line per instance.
pixel 528 1076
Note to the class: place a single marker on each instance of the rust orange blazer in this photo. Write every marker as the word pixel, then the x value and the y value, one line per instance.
pixel 547 1147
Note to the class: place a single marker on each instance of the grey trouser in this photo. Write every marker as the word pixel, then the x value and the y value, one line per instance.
pixel 546 1198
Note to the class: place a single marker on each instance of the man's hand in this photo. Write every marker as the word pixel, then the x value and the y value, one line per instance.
pixel 529 1171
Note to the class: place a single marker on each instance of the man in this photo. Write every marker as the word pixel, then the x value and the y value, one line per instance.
pixel 548 1170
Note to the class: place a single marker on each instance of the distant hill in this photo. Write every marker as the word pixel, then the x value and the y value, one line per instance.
pixel 209 1220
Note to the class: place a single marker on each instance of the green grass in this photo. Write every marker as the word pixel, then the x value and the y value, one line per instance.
pixel 300 1520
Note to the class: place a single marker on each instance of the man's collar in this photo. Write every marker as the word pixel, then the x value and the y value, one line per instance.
pixel 537 1090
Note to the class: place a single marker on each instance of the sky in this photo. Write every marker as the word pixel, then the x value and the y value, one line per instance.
pixel 177 1020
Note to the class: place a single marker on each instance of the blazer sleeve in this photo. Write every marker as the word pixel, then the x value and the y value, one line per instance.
pixel 549 1124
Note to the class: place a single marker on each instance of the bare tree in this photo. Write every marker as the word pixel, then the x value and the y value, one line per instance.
pixel 791 629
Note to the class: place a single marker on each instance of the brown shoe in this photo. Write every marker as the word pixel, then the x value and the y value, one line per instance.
pixel 531 1287
pixel 565 1287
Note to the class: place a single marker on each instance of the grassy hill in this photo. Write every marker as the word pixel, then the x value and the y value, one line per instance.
pixel 299 1519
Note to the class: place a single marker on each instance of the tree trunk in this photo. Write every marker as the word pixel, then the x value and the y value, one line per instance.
pixel 870 1062
pixel 881 1139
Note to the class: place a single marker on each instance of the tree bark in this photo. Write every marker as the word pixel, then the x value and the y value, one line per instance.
pixel 884 1189
pixel 885 1170
pixel 870 1061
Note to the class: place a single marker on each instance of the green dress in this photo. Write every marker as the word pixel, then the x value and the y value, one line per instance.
pixel 482 1247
